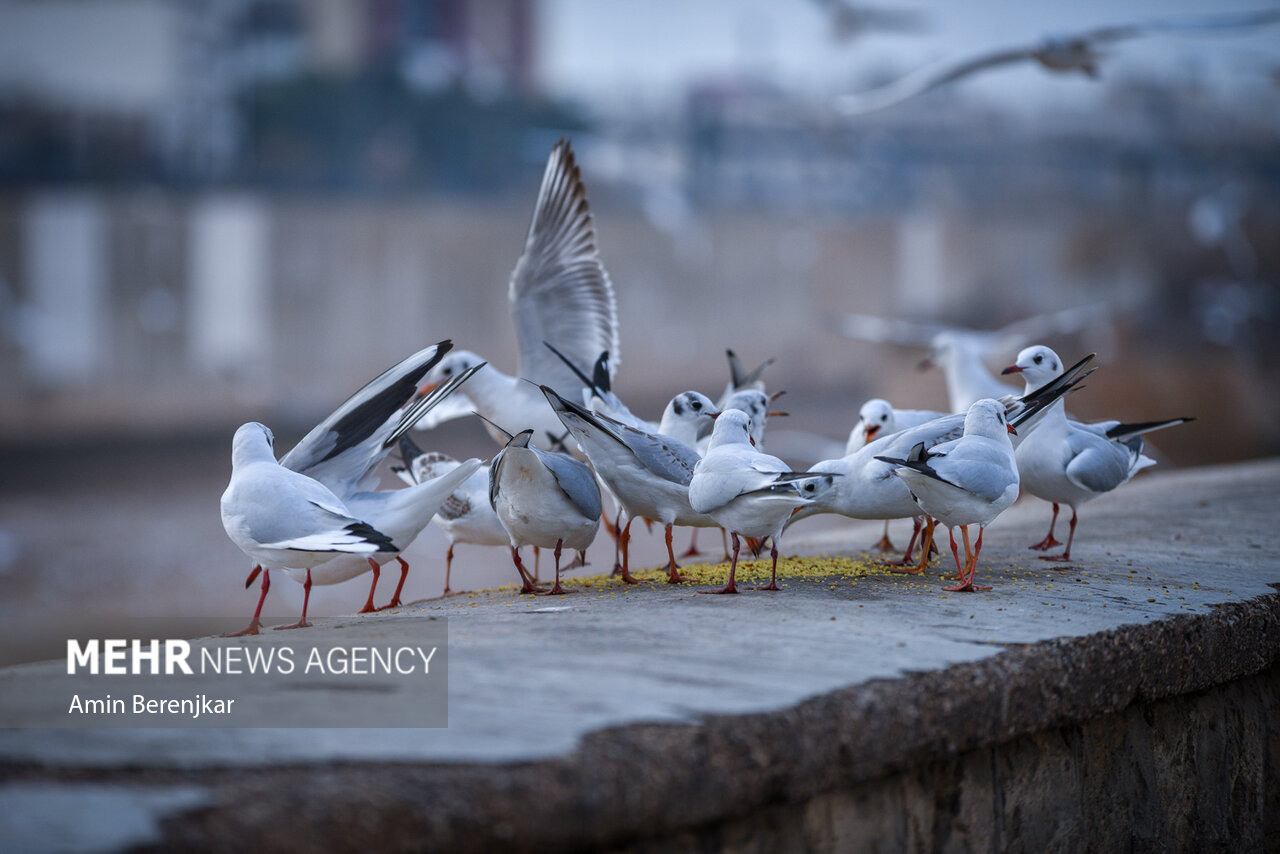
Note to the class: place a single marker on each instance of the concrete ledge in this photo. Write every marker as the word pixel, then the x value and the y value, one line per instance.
pixel 649 782
pixel 1145 735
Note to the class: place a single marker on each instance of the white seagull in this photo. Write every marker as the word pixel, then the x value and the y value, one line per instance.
pixel 1067 462
pixel 543 499
pixel 748 493
pixel 465 516
pixel 343 450
pixel 968 481
pixel 1064 53
pixel 281 518
pixel 560 293
pixel 647 473
pixel 877 418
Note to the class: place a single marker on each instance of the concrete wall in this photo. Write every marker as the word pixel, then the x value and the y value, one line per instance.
pixel 1200 772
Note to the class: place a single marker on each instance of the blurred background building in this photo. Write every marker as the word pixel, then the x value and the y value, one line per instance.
pixel 220 210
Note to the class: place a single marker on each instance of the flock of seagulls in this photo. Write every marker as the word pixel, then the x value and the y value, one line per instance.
pixel 568 443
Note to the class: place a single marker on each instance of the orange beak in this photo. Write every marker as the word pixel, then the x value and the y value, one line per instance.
pixel 871 432
pixel 427 389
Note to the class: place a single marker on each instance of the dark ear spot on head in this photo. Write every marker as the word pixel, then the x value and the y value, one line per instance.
pixel 1053 365
pixel 677 406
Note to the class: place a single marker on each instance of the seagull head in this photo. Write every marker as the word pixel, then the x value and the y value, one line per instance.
pixel 876 416
pixel 733 427
pixel 456 362
pixel 1037 365
pixel 252 442
pixel 987 418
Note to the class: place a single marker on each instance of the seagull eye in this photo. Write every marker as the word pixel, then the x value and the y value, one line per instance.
pixel 697 406
pixel 884 417
pixel 1038 359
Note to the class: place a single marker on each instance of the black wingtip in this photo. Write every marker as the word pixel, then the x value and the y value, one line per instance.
pixel 600 375
pixel 1138 428
pixel 373 536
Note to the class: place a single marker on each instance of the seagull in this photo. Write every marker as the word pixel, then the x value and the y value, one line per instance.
pixel 465 516
pixel 543 499
pixel 876 418
pixel 867 489
pixel 748 493
pixel 648 473
pixel 1067 462
pixel 967 481
pixel 342 451
pixel 1078 52
pixel 962 353
pixel 560 293
pixel 281 518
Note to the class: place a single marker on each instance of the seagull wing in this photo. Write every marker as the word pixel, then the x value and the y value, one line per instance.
pixel 341 449
pixel 1097 464
pixel 575 480
pixel 886 330
pixel 560 291
pixel 925 80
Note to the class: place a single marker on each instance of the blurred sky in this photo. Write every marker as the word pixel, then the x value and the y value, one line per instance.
pixel 614 53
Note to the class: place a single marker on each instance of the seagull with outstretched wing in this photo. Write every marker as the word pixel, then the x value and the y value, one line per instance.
pixel 1066 53
pixel 561 295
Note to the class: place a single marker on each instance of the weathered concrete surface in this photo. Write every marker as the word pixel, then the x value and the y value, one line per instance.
pixel 1199 772
pixel 657 713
